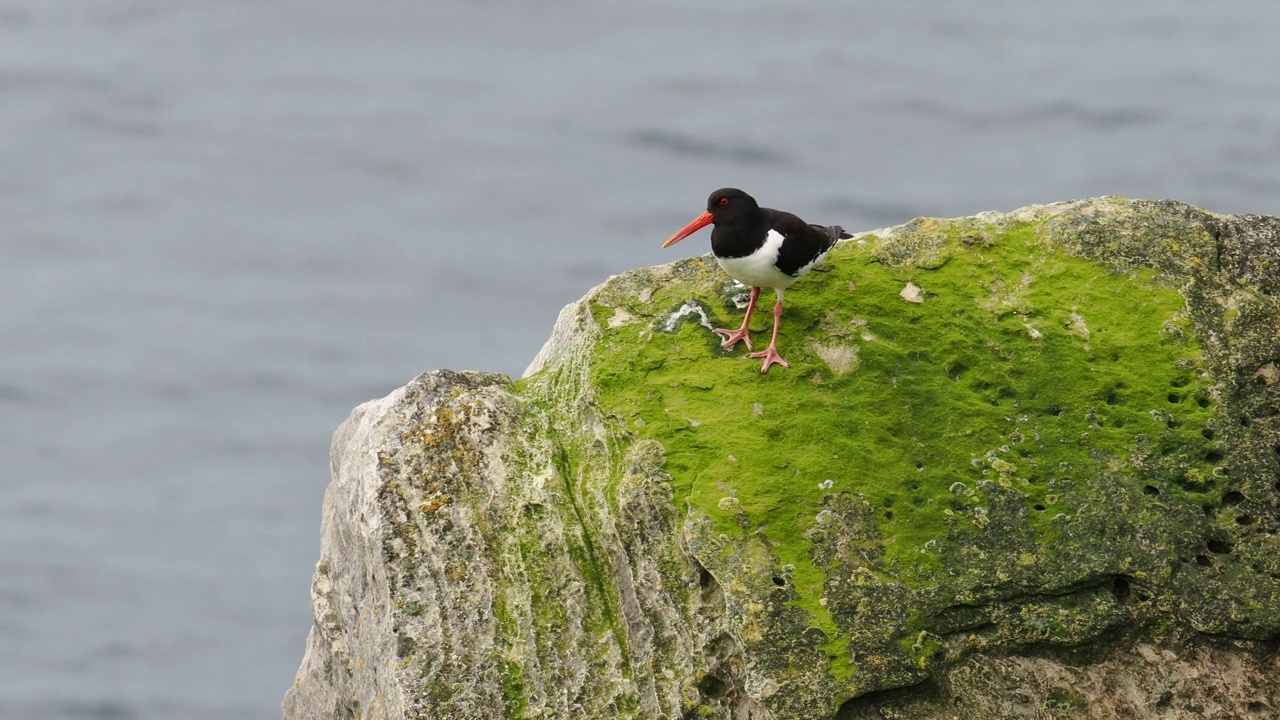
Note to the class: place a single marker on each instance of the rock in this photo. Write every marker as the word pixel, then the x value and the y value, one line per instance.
pixel 1052 490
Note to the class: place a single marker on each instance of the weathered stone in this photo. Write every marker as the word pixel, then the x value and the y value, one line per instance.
pixel 1052 489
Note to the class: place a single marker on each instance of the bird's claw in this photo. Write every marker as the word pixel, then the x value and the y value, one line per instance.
pixel 771 357
pixel 733 336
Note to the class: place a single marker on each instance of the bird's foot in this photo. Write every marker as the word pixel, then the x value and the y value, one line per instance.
pixel 733 336
pixel 771 357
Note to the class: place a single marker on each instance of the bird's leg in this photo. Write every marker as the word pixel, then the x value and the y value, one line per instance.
pixel 733 336
pixel 770 354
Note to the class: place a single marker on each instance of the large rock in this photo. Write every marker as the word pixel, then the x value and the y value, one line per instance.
pixel 1023 465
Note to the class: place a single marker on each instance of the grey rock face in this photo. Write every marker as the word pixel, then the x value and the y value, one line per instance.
pixel 472 568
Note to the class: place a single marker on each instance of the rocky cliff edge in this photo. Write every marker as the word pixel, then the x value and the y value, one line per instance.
pixel 1023 465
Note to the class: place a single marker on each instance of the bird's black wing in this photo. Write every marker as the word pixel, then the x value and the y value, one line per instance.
pixel 802 243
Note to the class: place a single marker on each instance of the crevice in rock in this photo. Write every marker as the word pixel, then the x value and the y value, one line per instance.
pixel 876 704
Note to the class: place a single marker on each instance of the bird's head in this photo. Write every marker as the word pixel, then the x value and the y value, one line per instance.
pixel 724 205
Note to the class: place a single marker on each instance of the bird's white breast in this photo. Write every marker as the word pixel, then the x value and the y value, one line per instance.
pixel 759 269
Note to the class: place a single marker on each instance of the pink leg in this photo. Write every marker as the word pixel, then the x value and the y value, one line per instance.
pixel 742 333
pixel 770 354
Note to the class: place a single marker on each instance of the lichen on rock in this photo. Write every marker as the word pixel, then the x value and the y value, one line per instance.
pixel 1072 445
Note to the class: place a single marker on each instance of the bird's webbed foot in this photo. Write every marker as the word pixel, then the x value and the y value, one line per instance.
pixel 771 357
pixel 733 336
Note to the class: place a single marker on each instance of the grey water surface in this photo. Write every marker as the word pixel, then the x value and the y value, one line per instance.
pixel 224 223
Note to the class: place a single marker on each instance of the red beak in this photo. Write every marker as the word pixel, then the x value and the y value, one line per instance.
pixel 698 223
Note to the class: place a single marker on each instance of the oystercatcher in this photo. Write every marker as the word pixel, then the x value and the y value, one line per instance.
pixel 760 247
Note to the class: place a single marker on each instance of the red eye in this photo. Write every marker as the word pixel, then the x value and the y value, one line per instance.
pixel 724 201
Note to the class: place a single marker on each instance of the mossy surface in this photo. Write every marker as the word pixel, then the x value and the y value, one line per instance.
pixel 1036 438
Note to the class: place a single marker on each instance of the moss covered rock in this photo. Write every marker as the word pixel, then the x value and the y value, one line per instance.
pixel 1006 444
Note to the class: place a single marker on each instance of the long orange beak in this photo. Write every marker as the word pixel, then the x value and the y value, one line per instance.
pixel 698 223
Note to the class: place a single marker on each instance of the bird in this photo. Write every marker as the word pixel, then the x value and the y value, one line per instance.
pixel 760 247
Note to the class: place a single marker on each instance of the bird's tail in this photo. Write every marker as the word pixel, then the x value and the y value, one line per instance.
pixel 835 234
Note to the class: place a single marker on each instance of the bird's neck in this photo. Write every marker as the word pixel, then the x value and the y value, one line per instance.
pixel 740 235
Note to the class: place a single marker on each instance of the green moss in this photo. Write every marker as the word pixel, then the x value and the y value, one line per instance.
pixel 982 410
pixel 513 690
pixel 1060 703
pixel 592 568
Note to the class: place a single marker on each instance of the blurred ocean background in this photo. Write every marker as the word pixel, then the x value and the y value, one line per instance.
pixel 224 223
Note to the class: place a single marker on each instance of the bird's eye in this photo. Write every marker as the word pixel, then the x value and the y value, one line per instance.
pixel 724 201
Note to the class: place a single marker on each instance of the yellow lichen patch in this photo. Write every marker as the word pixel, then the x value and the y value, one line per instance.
pixel 434 503
pixel 1003 466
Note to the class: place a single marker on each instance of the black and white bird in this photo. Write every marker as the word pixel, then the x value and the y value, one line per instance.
pixel 760 248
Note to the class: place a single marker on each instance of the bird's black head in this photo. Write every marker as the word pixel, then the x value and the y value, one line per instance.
pixel 726 207
pixel 727 203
